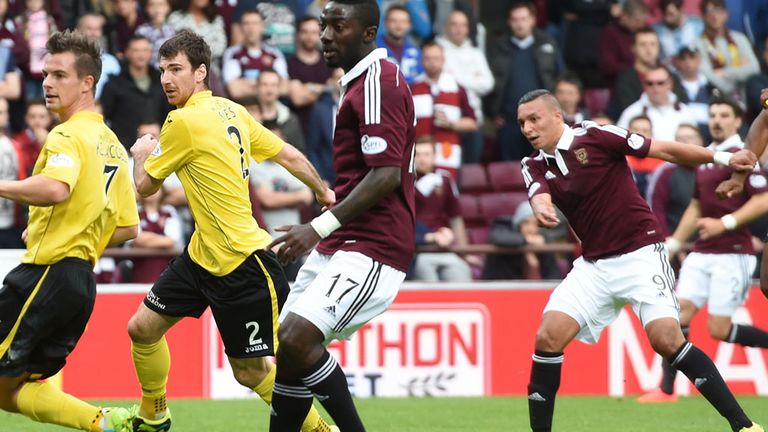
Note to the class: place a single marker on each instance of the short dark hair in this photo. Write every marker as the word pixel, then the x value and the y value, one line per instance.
pixel 194 46
pixel 640 117
pixel 306 19
pixel 137 37
pixel 396 7
pixel 425 139
pixel 523 4
pixel 87 52
pixel 634 7
pixel 431 43
pixel 268 70
pixel 705 4
pixel 367 11
pixel 570 78
pixel 644 30
pixel 533 95
pixel 721 99
pixel 35 101
pixel 251 11
pixel 667 3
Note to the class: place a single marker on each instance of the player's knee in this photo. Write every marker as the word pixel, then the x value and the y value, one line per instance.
pixel 548 340
pixel 250 375
pixel 139 332
pixel 666 343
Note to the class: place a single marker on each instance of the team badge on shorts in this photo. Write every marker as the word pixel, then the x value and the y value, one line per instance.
pixel 582 156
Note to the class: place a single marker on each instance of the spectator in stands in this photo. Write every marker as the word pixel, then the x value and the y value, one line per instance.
pixel 281 197
pixel 442 109
pixel 279 22
pixel 629 85
pixel 161 230
pixel 616 40
pixel 676 30
pixel 727 56
pixel 243 62
pixel 35 24
pixel 757 82
pixel 468 65
pixel 660 104
pixel 583 20
pixel 395 38
pixel 92 26
pixel 568 92
pixel 437 207
pixel 30 140
pixel 11 224
pixel 670 188
pixel 273 113
pixel 440 12
pixel 518 230
pixel 156 29
pixel 136 95
pixel 697 88
pixel 202 17
pixel 522 60
pixel 127 19
pixel 310 81
pixel 642 168
pixel 10 78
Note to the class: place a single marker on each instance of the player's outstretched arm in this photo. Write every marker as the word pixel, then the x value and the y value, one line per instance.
pixel 299 239
pixel 755 207
pixel 300 167
pixel 690 154
pixel 123 234
pixel 146 185
pixel 685 228
pixel 37 190
pixel 544 210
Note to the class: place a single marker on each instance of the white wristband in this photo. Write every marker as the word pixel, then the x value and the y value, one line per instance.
pixel 722 158
pixel 729 222
pixel 673 245
pixel 325 224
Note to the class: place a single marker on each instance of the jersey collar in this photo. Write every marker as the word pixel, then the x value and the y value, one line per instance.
pixel 732 142
pixel 362 65
pixel 199 95
pixel 564 144
pixel 87 115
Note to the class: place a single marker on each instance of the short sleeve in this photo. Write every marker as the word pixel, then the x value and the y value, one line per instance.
pixel 756 183
pixel 535 182
pixel 63 159
pixel 619 142
pixel 125 199
pixel 264 143
pixel 173 151
pixel 384 119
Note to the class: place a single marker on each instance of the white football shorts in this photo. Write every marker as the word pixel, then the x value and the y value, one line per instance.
pixel 339 293
pixel 720 281
pixel 594 292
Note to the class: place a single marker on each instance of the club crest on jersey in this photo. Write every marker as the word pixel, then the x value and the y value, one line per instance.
pixel 581 156
pixel 372 145
pixel 157 151
pixel 635 141
pixel 758 181
pixel 61 160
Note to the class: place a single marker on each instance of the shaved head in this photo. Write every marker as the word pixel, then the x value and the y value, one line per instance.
pixel 548 98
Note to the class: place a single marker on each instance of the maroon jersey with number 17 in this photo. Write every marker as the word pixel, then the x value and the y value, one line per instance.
pixel 375 127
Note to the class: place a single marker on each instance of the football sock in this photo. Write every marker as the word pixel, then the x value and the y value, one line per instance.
pixel 45 403
pixel 328 383
pixel 748 335
pixel 152 363
pixel 313 422
pixel 668 372
pixel 704 375
pixel 542 389
pixel 291 401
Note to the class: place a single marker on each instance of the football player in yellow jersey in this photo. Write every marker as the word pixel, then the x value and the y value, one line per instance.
pixel 46 301
pixel 208 142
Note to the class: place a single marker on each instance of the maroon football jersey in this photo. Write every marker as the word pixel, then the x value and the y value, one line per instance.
pixel 375 128
pixel 591 183
pixel 707 178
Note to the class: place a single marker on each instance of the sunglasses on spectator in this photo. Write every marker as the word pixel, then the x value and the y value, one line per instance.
pixel 649 83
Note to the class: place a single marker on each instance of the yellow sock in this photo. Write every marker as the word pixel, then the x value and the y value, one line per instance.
pixel 313 422
pixel 152 363
pixel 45 403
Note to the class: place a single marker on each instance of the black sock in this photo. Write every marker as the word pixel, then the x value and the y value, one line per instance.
pixel 704 375
pixel 748 335
pixel 668 372
pixel 291 401
pixel 545 380
pixel 329 384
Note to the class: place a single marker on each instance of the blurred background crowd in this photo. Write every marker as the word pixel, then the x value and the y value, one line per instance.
pixel 650 66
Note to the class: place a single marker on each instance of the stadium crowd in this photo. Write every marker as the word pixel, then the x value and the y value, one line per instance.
pixel 650 66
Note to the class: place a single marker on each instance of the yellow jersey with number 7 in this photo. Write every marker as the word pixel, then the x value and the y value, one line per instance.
pixel 208 143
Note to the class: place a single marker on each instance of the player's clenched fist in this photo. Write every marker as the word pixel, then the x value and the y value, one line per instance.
pixel 743 160
pixel 544 210
pixel 143 146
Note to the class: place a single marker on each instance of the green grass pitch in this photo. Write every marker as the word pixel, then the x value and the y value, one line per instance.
pixel 573 414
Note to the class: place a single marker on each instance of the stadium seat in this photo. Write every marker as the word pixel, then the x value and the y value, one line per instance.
pixel 473 179
pixel 506 176
pixel 596 100
pixel 470 211
pixel 478 235
pixel 500 203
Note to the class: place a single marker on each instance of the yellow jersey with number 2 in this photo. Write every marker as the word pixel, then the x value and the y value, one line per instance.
pixel 208 143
